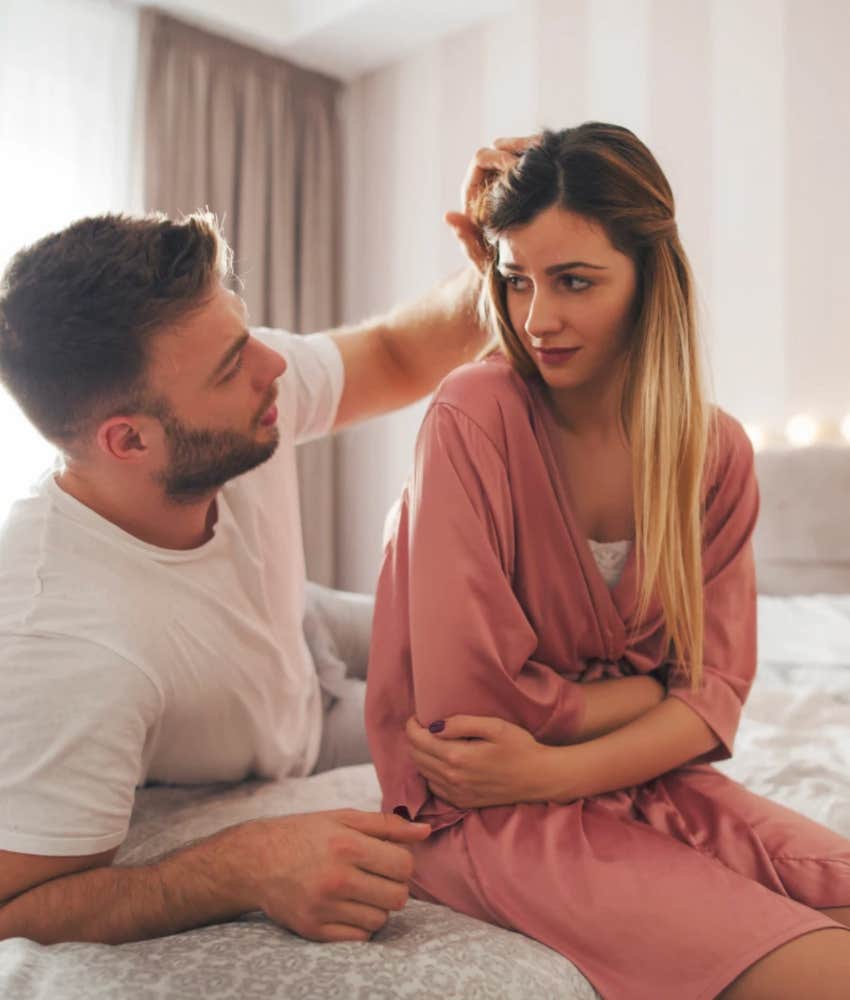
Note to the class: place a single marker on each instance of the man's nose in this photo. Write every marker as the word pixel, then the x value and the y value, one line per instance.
pixel 272 366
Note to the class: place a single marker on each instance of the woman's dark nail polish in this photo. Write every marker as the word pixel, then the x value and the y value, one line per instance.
pixel 437 727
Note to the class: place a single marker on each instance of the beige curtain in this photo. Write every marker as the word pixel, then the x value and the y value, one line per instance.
pixel 256 140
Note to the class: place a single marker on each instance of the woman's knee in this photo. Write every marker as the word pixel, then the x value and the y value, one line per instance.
pixel 816 964
pixel 841 915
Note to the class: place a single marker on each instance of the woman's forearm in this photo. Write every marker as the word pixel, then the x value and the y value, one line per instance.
pixel 612 704
pixel 665 737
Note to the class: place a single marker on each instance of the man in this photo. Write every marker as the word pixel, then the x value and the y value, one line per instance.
pixel 152 589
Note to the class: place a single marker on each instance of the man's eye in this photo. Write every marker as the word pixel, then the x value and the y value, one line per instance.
pixel 234 371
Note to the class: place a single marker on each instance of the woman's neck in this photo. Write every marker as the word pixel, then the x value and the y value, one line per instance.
pixel 591 410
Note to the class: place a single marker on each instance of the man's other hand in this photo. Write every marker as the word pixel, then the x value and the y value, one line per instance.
pixel 329 876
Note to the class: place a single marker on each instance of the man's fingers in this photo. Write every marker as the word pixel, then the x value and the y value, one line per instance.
pixel 372 890
pixel 382 857
pixel 516 144
pixel 356 914
pixel 341 932
pixel 470 238
pixel 457 220
pixel 385 826
pixel 489 159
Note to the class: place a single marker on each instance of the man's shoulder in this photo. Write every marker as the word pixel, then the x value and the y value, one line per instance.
pixel 314 378
pixel 298 349
pixel 63 577
pixel 24 534
pixel 274 336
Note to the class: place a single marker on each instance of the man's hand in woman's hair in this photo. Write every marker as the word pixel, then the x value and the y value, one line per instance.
pixel 487 162
pixel 473 762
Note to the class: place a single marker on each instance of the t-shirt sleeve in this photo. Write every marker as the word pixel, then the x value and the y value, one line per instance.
pixel 315 376
pixel 74 722
pixel 729 591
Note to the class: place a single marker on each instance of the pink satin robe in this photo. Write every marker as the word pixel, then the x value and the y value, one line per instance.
pixel 490 603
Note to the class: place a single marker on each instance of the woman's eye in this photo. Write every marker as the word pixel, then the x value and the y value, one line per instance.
pixel 575 283
pixel 516 281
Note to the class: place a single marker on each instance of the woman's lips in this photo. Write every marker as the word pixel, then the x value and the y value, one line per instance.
pixel 555 355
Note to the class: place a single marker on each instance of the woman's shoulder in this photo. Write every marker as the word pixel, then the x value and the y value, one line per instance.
pixel 731 442
pixel 730 455
pixel 490 392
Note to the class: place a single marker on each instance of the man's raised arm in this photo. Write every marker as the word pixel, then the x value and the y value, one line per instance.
pixel 393 360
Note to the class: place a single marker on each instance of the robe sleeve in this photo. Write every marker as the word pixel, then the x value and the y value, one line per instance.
pixel 729 589
pixel 472 646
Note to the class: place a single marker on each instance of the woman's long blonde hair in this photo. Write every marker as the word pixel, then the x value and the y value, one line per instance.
pixel 606 174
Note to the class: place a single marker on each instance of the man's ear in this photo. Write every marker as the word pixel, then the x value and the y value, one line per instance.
pixel 126 437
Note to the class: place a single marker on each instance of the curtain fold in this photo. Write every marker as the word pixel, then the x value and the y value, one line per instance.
pixel 255 139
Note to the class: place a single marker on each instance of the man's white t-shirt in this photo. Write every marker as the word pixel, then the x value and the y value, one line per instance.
pixel 122 662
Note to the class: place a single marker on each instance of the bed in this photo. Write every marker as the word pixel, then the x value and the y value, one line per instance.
pixel 793 746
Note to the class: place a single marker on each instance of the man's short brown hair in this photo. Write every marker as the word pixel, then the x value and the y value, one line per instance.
pixel 78 307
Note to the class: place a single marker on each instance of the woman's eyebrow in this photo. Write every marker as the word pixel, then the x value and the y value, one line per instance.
pixel 555 268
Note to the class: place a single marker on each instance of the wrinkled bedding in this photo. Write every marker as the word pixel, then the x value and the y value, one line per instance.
pixel 793 745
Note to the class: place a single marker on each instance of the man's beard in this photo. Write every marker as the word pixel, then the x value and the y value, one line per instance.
pixel 202 461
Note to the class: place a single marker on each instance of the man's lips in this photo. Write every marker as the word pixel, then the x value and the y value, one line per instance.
pixel 268 415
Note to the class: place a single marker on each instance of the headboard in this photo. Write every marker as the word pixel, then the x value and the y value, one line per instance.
pixel 802 539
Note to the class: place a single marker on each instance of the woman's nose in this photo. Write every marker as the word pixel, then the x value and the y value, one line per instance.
pixel 543 316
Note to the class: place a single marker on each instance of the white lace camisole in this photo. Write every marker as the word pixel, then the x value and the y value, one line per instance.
pixel 610 558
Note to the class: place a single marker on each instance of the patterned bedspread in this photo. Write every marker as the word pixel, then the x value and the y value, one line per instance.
pixel 793 746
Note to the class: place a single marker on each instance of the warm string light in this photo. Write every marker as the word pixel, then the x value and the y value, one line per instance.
pixel 802 431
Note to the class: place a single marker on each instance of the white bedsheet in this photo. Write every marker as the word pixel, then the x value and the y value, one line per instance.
pixel 811 628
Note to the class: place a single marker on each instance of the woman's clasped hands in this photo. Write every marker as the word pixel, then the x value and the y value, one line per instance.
pixel 473 761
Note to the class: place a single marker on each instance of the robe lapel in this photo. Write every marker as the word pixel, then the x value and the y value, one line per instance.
pixel 612 607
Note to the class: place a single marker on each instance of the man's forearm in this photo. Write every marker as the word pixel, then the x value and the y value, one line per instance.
pixel 114 905
pixel 392 360
pixel 442 329
pixel 667 736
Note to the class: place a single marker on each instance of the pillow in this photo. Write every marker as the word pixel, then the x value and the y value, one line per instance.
pixel 811 628
pixel 802 537
pixel 337 627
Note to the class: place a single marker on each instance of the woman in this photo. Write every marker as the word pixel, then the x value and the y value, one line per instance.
pixel 567 611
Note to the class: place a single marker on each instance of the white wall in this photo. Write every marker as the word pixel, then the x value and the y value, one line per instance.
pixel 67 81
pixel 745 104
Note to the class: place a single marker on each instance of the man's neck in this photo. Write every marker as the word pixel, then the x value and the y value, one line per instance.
pixel 143 510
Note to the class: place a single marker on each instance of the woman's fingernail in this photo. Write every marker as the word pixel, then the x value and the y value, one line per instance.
pixel 437 727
